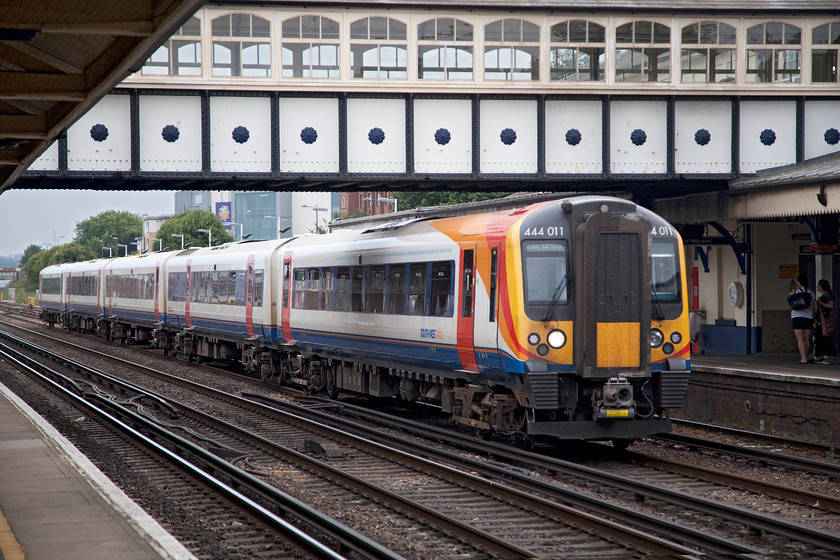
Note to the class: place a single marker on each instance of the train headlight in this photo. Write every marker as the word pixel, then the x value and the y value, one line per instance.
pixel 556 339
pixel 656 338
pixel 533 339
pixel 676 337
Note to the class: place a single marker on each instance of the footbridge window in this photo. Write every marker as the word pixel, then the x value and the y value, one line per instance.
pixel 241 46
pixel 643 52
pixel 180 55
pixel 445 50
pixel 512 50
pixel 825 52
pixel 773 53
pixel 378 48
pixel 310 47
pixel 577 51
pixel 708 53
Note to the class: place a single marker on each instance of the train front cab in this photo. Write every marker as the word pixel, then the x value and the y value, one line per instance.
pixel 610 389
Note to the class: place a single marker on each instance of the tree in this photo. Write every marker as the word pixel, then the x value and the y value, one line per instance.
pixel 67 253
pixel 28 253
pixel 100 230
pixel 188 223
pixel 419 199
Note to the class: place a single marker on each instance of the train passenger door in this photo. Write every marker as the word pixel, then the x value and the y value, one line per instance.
pixel 466 310
pixel 157 294
pixel 487 325
pixel 187 318
pixel 287 287
pixel 249 298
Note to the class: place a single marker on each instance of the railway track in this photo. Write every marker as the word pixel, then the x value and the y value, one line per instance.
pixel 232 525
pixel 659 496
pixel 504 522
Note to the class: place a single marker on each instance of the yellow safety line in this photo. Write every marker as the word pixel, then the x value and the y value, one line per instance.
pixel 9 545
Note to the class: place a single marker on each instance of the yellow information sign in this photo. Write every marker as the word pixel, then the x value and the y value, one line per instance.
pixel 788 271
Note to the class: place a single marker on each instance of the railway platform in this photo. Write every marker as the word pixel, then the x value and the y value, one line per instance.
pixel 769 392
pixel 54 503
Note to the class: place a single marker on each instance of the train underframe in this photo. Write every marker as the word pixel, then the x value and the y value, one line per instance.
pixel 531 405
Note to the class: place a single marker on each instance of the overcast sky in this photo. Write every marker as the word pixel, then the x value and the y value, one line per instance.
pixel 48 217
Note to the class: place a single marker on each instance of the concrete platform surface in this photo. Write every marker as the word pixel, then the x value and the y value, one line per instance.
pixel 55 504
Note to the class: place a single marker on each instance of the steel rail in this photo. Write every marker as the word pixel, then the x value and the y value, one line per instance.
pixel 648 543
pixel 760 455
pixel 241 479
pixel 758 521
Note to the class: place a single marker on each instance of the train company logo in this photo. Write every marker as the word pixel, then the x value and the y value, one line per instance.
pixel 431 333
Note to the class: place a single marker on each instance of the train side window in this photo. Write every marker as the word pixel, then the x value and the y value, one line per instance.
pixel 467 284
pixel 313 287
pixel 258 287
pixel 342 288
pixel 396 289
pixel 442 289
pixel 285 289
pixel 300 288
pixel 494 263
pixel 359 289
pixel 326 289
pixel 177 286
pixel 377 289
pixel 417 289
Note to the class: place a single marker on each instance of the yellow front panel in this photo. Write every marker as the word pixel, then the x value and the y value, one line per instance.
pixel 618 345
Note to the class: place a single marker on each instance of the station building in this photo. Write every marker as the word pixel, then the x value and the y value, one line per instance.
pixel 723 116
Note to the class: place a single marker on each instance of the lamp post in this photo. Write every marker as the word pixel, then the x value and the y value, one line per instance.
pixel 209 236
pixel 317 210
pixel 240 229
pixel 124 246
pixel 160 241
pixel 381 199
pixel 181 235
pixel 110 252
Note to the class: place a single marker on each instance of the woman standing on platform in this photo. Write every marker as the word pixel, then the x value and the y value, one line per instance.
pixel 801 301
pixel 824 334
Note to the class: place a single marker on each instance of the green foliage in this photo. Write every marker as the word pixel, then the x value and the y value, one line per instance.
pixel 27 254
pixel 188 223
pixel 419 199
pixel 357 213
pixel 100 230
pixel 67 253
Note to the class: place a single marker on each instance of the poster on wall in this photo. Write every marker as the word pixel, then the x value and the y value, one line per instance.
pixel 223 212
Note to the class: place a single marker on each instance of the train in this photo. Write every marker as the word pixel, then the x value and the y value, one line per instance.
pixel 565 319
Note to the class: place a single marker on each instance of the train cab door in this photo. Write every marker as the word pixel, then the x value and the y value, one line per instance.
pixel 613 270
pixel 249 298
pixel 286 289
pixel 466 309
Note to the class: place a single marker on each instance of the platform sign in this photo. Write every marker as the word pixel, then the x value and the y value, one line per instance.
pixel 788 271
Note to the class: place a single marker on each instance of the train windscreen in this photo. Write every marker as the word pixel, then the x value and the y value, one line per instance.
pixel 664 274
pixel 545 272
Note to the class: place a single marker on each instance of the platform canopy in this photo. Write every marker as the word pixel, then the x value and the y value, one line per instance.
pixel 58 57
